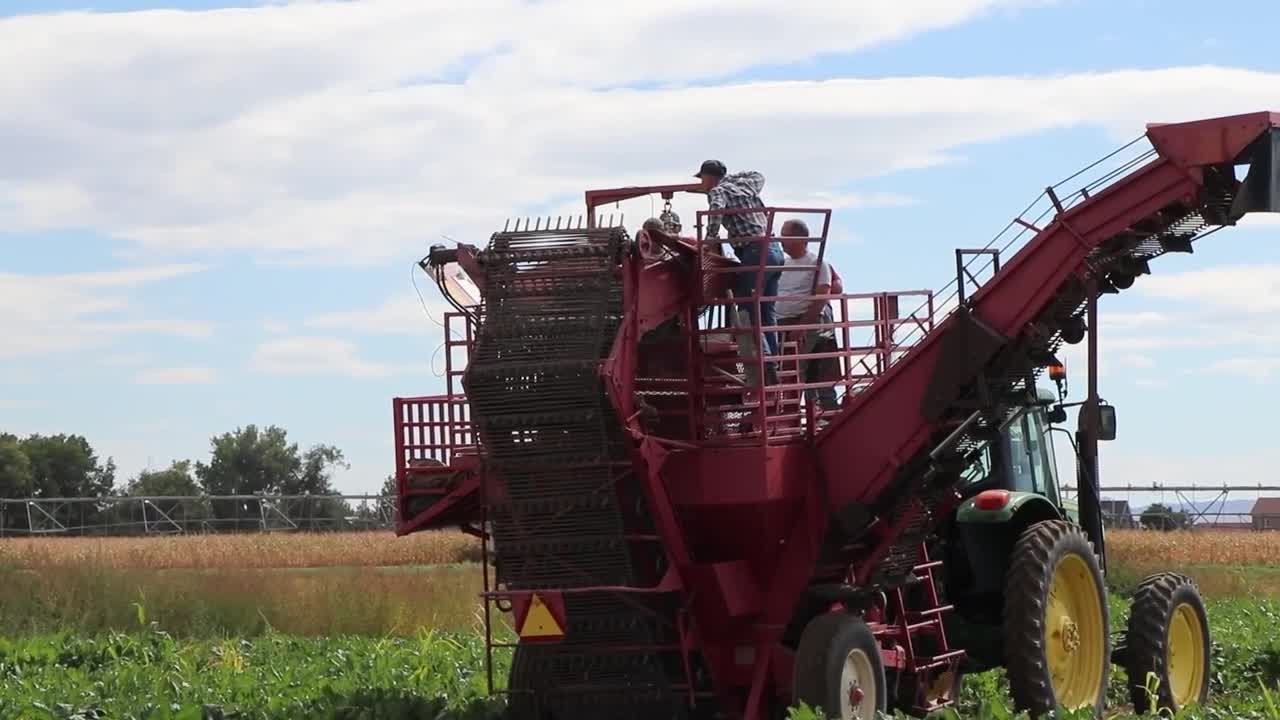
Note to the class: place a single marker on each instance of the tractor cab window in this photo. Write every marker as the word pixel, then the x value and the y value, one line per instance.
pixel 1041 446
pixel 1032 465
pixel 1025 461
pixel 979 470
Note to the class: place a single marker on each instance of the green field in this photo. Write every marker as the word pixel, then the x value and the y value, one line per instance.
pixel 133 634
pixel 150 674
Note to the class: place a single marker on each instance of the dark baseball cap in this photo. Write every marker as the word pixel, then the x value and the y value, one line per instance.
pixel 714 168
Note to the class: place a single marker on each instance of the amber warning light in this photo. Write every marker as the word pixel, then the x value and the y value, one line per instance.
pixel 1057 372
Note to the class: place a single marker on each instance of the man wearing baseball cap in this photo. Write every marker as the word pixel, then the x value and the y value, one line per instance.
pixel 741 191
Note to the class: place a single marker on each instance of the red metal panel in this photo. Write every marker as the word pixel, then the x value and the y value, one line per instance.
pixel 1209 142
pixel 459 506
pixel 723 592
pixel 729 476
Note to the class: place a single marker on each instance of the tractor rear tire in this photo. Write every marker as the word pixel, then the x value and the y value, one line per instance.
pixel 838 670
pixel 1168 635
pixel 1057 646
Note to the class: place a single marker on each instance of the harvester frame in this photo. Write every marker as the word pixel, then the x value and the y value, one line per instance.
pixel 675 541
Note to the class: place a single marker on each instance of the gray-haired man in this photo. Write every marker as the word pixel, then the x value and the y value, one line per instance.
pixel 804 311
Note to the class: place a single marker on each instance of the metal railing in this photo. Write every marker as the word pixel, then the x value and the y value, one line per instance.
pixel 193 514
pixel 1190 507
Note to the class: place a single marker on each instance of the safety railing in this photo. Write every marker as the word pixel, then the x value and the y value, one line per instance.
pixel 778 399
pixel 459 336
pixel 979 265
pixel 431 430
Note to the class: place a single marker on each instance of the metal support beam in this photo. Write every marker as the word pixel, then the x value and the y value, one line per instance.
pixel 1087 439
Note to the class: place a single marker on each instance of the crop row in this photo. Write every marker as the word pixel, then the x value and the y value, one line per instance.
pixel 149 675
pixel 383 549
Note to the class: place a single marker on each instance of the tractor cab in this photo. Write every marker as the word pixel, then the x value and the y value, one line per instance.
pixel 1014 484
pixel 1020 466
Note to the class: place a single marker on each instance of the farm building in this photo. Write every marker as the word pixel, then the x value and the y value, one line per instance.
pixel 1117 514
pixel 1226 525
pixel 1266 513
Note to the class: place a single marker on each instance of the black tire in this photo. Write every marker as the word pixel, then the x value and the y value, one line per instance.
pixel 1146 643
pixel 522 702
pixel 826 644
pixel 1040 551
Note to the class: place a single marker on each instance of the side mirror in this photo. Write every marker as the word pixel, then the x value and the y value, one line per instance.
pixel 1106 422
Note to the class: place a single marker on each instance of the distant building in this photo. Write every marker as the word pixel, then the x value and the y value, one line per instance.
pixel 1266 513
pixel 1225 525
pixel 1117 514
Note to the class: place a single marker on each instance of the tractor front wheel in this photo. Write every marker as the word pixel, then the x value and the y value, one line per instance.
pixel 838 670
pixel 1168 636
pixel 1055 622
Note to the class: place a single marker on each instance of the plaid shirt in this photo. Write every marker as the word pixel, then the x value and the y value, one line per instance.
pixel 739 190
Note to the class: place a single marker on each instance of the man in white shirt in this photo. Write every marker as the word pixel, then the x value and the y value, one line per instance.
pixel 805 311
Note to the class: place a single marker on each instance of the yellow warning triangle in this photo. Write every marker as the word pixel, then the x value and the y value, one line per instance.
pixel 539 622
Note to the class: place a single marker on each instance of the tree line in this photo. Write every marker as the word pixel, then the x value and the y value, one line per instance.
pixel 247 461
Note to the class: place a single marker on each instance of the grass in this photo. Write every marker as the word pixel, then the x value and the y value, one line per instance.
pixel 1223 564
pixel 1198 547
pixel 147 674
pixel 366 625
pixel 374 583
pixel 239 552
pixel 356 583
pixel 243 603
pixel 150 675
pixel 383 549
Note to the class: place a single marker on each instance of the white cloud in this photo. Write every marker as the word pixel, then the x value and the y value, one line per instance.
pixel 1258 369
pixel 125 359
pixel 403 314
pixel 1260 220
pixel 371 127
pixel 177 376
pixel 1136 361
pixel 314 356
pixel 55 313
pixel 1250 289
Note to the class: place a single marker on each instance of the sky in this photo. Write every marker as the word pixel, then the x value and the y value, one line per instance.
pixel 210 216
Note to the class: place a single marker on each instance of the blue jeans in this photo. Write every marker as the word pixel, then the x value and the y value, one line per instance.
pixel 744 286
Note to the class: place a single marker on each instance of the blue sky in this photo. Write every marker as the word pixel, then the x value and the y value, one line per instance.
pixel 211 219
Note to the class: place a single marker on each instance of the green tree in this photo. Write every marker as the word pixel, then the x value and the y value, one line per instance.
pixel 251 461
pixel 316 478
pixel 1163 517
pixel 17 480
pixel 66 466
pixel 177 480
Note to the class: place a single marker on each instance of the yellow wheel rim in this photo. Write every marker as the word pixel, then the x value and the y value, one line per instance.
pixel 1074 637
pixel 1184 661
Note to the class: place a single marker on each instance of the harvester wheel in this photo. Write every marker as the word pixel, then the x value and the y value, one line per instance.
pixel 1055 621
pixel 1168 635
pixel 838 670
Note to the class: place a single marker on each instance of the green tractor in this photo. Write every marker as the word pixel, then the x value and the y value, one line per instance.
pixel 1023 568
